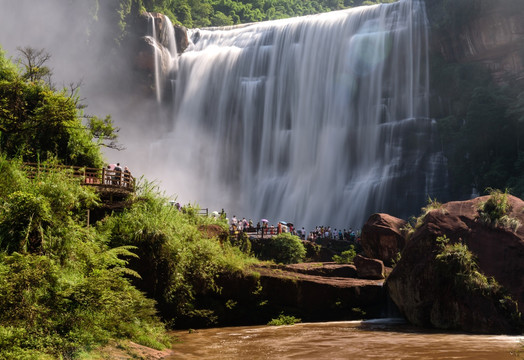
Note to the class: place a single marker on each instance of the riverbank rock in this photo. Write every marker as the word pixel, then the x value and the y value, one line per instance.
pixel 125 349
pixel 328 269
pixel 427 298
pixel 309 291
pixel 321 298
pixel 383 237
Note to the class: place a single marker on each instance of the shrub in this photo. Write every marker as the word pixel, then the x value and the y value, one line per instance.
pixel 346 257
pixel 284 320
pixel 283 248
pixel 57 311
pixel 495 211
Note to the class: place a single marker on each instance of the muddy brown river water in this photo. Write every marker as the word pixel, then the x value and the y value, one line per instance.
pixel 376 339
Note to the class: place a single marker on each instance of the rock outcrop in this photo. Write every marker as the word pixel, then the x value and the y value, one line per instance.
pixel 147 49
pixel 422 295
pixel 143 27
pixel 383 237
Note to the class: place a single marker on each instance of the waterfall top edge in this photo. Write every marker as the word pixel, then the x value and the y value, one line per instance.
pixel 291 20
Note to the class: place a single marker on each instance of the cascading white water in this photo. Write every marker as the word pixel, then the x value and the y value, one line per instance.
pixel 320 120
pixel 165 52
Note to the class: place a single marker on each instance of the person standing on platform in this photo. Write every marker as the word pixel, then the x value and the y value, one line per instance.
pixel 117 178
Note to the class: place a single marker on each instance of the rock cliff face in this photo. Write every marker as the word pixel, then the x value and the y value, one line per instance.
pixel 490 33
pixel 425 299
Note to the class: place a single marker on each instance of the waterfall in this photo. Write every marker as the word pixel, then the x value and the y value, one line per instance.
pixel 318 120
pixel 165 51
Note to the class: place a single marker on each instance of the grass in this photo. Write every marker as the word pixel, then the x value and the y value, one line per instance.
pixel 495 211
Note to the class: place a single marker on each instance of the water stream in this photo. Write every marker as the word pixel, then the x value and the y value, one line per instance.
pixel 379 339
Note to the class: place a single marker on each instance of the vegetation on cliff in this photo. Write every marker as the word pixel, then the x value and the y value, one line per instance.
pixel 481 129
pixel 177 257
pixel 119 15
pixel 201 13
pixel 495 211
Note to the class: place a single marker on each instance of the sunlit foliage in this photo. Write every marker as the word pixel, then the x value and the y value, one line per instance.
pixel 62 288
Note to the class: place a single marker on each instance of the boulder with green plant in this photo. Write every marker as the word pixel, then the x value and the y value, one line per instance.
pixel 459 271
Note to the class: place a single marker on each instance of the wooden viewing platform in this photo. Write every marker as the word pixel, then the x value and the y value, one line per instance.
pixel 103 179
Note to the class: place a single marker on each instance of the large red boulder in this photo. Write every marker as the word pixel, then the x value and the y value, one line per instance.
pixel 427 298
pixel 383 237
pixel 369 268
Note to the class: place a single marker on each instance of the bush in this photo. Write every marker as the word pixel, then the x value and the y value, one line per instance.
pixel 283 248
pixel 284 320
pixel 346 257
pixel 54 310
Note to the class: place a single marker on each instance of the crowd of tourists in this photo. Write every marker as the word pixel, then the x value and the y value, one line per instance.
pixel 263 228
pixel 326 233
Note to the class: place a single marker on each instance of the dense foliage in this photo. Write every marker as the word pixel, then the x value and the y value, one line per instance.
pixel 63 289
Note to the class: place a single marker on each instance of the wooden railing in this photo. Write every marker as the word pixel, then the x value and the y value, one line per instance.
pixel 103 178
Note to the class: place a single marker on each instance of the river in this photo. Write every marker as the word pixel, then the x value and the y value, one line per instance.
pixel 374 339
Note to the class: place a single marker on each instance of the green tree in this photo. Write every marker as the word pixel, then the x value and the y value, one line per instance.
pixel 34 62
pixel 37 122
pixel 220 19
